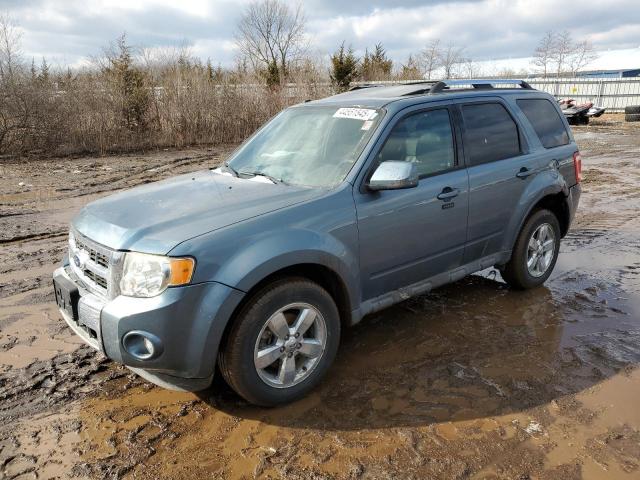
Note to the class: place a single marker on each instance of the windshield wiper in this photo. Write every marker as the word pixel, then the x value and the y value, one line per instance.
pixel 262 174
pixel 231 169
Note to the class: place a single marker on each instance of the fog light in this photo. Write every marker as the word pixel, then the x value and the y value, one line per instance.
pixel 142 345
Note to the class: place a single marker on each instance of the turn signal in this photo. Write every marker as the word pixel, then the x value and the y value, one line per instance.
pixel 181 271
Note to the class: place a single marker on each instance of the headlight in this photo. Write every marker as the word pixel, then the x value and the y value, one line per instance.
pixel 145 275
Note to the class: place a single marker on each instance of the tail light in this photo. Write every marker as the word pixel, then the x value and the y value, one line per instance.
pixel 577 166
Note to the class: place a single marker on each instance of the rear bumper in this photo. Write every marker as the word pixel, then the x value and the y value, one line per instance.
pixel 186 324
pixel 573 199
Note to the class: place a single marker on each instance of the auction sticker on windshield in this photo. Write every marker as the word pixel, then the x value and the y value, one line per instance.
pixel 363 114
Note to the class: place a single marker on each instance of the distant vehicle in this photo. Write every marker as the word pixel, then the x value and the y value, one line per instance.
pixel 579 114
pixel 334 209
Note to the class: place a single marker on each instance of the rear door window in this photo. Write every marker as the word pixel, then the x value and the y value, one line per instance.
pixel 490 134
pixel 545 120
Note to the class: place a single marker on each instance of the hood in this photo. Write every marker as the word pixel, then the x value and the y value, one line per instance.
pixel 154 218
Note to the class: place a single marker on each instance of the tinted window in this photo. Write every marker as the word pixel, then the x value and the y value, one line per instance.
pixel 546 121
pixel 490 133
pixel 424 139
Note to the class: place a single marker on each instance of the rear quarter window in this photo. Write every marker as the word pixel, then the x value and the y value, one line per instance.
pixel 490 134
pixel 545 120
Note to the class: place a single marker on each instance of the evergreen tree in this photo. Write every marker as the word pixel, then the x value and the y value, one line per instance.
pixel 344 67
pixel 44 71
pixel 410 70
pixel 376 65
pixel 209 70
pixel 129 83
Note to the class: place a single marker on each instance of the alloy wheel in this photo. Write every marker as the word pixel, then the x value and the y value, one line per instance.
pixel 290 345
pixel 541 250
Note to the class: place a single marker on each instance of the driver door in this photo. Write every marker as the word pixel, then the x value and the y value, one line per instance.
pixel 412 234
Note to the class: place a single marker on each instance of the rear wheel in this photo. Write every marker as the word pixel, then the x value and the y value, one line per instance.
pixel 282 343
pixel 535 253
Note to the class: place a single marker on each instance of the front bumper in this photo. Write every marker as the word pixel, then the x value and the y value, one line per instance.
pixel 188 322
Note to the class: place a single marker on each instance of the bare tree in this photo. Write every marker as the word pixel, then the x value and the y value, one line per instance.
pixel 583 54
pixel 562 51
pixel 430 58
pixel 14 103
pixel 471 69
pixel 10 54
pixel 450 59
pixel 271 35
pixel 543 54
pixel 506 72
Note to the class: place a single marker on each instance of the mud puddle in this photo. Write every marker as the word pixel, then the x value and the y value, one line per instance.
pixel 471 381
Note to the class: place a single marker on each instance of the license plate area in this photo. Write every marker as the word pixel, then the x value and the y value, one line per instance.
pixel 67 296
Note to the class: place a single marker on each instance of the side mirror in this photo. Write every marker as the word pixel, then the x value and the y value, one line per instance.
pixel 394 175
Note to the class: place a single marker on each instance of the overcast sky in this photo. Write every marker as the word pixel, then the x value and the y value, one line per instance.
pixel 68 31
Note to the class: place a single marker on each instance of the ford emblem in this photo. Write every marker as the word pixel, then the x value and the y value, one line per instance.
pixel 76 260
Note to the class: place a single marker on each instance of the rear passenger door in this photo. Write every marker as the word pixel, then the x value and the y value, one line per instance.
pixel 499 165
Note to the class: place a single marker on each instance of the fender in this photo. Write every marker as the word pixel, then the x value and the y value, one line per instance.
pixel 547 182
pixel 242 265
pixel 288 248
pixel 249 266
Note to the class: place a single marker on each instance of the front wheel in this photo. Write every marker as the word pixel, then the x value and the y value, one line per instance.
pixel 282 343
pixel 535 253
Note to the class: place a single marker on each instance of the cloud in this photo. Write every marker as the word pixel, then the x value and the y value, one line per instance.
pixel 70 31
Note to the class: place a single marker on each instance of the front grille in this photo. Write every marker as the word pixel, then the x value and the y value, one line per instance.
pixel 91 263
pixel 95 256
pixel 95 278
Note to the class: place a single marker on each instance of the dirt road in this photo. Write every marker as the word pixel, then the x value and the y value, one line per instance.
pixel 470 381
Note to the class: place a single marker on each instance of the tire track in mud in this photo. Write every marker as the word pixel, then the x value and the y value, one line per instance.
pixel 34 236
pixel 471 379
pixel 32 241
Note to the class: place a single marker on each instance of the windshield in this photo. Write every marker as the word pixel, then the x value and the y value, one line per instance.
pixel 312 146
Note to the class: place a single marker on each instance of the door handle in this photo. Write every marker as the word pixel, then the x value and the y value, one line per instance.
pixel 448 193
pixel 524 172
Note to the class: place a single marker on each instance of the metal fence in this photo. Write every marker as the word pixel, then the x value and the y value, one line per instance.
pixel 611 93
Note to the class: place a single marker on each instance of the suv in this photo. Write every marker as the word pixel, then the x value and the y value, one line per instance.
pixel 334 209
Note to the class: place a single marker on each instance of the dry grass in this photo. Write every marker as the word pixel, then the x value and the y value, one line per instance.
pixel 88 113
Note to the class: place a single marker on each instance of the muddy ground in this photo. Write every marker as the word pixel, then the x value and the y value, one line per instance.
pixel 470 381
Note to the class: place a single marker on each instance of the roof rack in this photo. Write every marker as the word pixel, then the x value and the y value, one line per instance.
pixel 366 85
pixel 478 84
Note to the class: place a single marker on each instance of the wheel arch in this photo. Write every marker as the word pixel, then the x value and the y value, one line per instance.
pixel 553 199
pixel 556 204
pixel 320 274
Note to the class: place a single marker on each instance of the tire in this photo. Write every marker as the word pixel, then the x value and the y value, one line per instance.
pixel 254 330
pixel 632 117
pixel 516 272
pixel 633 109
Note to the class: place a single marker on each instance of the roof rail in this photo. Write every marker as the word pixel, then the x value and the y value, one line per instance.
pixel 478 84
pixel 366 85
